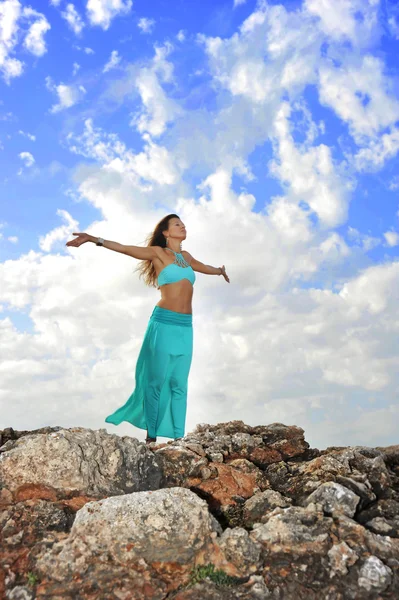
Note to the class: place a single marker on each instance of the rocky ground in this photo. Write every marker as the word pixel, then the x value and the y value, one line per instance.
pixel 228 512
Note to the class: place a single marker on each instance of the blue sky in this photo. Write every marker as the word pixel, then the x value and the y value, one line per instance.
pixel 272 129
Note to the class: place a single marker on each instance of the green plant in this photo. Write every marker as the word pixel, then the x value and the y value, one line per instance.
pixel 32 578
pixel 218 576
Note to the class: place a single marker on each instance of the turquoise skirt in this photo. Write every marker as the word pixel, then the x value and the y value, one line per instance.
pixel 158 402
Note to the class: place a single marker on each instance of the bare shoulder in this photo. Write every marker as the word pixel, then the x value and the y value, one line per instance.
pixel 187 256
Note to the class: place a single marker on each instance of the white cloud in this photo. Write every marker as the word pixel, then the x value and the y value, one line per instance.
pixel 34 39
pixel 355 20
pixel 239 2
pixel 113 61
pixel 28 135
pixel 59 234
pixel 366 242
pixel 73 18
pixel 378 151
pixel 392 238
pixel 27 157
pixel 146 25
pixel 394 183
pixel 101 12
pixel 12 14
pixel 76 67
pixel 154 164
pixel 85 50
pixel 361 95
pixel 181 36
pixel 68 95
pixel 309 173
pixel 158 110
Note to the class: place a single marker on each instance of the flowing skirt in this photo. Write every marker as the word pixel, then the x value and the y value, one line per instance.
pixel 159 401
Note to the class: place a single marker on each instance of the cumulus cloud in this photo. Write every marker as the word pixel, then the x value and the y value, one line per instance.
pixel 146 25
pixel 19 23
pixel 58 234
pixel 361 95
pixel 28 135
pixel 392 238
pixel 27 158
pixel 309 173
pixel 73 18
pixel 113 61
pixel 68 95
pixel 157 109
pixel 354 20
pixel 101 12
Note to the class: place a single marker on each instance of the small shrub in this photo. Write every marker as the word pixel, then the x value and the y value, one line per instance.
pixel 217 576
pixel 32 578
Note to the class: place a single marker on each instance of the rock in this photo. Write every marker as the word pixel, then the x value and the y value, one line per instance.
pixel 164 531
pixel 335 499
pixel 374 575
pixel 176 463
pixel 241 550
pixel 226 492
pixel 19 592
pixel 230 511
pixel 257 507
pixel 77 462
pixel 341 556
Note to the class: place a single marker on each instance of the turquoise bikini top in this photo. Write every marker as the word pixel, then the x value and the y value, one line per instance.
pixel 180 269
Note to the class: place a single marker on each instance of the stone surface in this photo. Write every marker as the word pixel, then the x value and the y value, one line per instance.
pixel 76 462
pixel 230 512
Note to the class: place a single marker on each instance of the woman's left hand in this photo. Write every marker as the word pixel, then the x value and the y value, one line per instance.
pixel 225 274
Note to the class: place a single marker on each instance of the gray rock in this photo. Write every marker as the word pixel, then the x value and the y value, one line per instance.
pixel 164 526
pixel 335 499
pixel 374 575
pixel 80 461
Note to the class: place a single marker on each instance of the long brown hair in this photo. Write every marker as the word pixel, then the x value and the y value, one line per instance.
pixel 156 238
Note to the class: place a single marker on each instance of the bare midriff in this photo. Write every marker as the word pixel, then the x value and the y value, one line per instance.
pixel 176 296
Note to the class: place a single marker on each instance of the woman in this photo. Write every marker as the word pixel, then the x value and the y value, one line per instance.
pixel 159 400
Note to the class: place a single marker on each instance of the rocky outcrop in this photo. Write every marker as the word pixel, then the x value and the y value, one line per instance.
pixel 230 511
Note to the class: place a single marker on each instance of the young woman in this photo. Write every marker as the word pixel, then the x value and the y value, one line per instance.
pixel 159 400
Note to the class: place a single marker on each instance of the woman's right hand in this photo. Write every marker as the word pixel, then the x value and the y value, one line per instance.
pixel 81 239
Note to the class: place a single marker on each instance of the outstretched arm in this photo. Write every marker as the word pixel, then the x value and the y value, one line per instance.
pixel 139 252
pixel 198 266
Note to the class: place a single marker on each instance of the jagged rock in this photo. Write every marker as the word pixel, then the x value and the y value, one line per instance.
pixel 76 462
pixel 241 550
pixel 246 466
pixel 299 480
pixel 166 530
pixel 10 434
pixel 295 523
pixel 374 575
pixel 20 593
pixel 176 463
pixel 256 509
pixel 335 499
pixel 341 557
pixel 225 492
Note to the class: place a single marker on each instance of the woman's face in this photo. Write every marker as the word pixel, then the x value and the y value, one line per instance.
pixel 177 228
